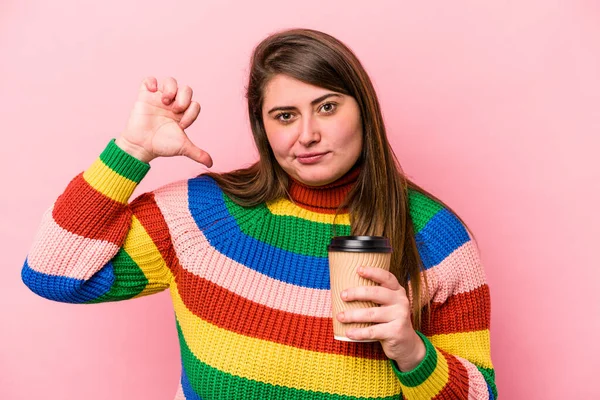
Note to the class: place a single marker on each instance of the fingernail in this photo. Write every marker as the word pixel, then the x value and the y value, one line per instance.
pixel 361 270
pixel 344 295
pixel 340 316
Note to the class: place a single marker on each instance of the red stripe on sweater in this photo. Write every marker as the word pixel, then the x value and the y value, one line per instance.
pixel 84 211
pixel 457 386
pixel 463 312
pixel 235 313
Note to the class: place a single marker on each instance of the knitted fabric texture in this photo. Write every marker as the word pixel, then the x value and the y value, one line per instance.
pixel 250 286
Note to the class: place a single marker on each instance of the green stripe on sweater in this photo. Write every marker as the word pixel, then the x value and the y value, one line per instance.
pixel 422 209
pixel 259 223
pixel 129 279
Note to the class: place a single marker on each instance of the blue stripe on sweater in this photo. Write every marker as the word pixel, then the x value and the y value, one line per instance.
pixel 490 392
pixel 68 290
pixel 220 228
pixel 440 237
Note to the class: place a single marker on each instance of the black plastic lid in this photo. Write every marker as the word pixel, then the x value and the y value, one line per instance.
pixel 360 244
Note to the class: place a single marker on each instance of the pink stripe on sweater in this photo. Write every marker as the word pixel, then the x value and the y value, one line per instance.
pixel 58 252
pixel 477 385
pixel 460 272
pixel 197 256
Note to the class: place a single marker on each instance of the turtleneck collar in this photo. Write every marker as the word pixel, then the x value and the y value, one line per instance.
pixel 323 199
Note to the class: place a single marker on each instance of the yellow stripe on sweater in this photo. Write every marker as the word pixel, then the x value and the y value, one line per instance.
pixel 472 346
pixel 142 250
pixel 284 207
pixel 433 384
pixel 269 362
pixel 108 182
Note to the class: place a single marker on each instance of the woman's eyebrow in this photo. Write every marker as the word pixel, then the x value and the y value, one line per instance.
pixel 312 103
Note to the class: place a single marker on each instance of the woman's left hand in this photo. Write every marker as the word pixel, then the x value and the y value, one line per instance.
pixel 392 320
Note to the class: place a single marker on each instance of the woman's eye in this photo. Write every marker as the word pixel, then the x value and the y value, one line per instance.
pixel 328 107
pixel 284 117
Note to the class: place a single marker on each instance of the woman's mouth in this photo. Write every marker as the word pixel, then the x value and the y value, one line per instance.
pixel 310 158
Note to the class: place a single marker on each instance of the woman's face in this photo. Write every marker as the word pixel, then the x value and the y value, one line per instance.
pixel 316 134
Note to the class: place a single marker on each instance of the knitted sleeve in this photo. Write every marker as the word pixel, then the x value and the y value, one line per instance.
pixel 93 246
pixel 456 329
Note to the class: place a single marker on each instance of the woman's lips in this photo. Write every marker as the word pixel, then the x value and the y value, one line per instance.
pixel 310 158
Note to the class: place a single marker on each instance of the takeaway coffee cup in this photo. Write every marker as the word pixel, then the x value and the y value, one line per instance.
pixel 346 255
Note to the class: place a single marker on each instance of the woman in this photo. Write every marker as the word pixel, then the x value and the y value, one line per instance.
pixel 244 254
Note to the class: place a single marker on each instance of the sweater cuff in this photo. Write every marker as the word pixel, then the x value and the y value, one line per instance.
pixel 124 163
pixel 116 173
pixel 422 378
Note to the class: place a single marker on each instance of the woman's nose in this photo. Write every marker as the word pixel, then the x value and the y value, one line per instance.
pixel 310 133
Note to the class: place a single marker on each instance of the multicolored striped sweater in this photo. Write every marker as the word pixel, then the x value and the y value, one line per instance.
pixel 250 286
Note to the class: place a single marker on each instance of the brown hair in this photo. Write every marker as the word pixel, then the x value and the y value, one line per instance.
pixel 378 203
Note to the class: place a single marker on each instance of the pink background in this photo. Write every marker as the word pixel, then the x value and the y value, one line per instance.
pixel 494 106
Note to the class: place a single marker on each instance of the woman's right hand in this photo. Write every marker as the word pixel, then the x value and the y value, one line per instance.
pixel 157 122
